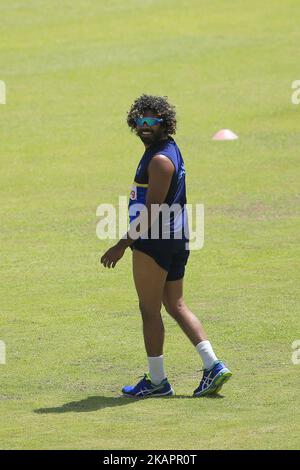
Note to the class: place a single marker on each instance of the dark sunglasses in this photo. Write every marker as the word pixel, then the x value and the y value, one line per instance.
pixel 149 121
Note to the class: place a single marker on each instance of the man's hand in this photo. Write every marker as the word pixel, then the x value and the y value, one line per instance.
pixel 112 256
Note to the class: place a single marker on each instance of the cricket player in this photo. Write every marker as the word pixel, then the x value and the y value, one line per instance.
pixel 159 243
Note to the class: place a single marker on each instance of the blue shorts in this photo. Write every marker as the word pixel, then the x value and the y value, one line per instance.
pixel 170 255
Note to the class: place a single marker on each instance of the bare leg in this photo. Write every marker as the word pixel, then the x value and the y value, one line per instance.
pixel 175 306
pixel 149 279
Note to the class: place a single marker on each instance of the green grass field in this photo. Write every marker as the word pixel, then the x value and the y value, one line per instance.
pixel 72 329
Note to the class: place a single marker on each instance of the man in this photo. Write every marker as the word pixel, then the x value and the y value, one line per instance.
pixel 159 261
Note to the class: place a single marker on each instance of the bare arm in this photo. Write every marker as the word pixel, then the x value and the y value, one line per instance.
pixel 160 172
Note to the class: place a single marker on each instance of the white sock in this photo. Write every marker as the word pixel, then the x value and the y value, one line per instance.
pixel 207 354
pixel 156 369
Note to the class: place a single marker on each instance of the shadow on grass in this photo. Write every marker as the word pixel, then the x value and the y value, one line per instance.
pixel 99 402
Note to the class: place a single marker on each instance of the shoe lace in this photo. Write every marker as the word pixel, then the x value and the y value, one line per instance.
pixel 145 376
pixel 205 370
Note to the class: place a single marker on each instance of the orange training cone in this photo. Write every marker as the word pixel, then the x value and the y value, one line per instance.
pixel 225 134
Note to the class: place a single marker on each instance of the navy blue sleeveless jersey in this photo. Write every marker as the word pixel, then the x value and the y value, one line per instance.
pixel 175 224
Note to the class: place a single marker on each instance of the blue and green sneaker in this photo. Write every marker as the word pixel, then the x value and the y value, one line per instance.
pixel 213 379
pixel 145 388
